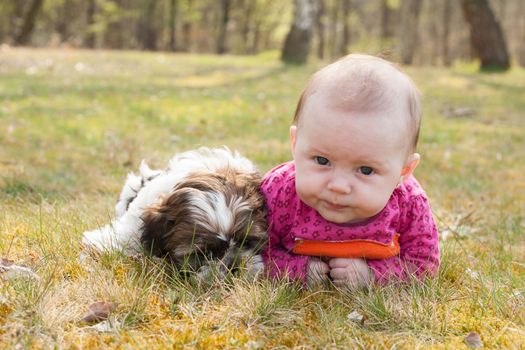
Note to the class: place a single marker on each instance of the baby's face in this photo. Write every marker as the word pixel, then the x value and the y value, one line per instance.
pixel 348 163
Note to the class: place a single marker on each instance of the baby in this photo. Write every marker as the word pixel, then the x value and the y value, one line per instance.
pixel 347 208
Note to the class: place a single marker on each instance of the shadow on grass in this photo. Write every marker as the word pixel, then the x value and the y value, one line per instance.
pixel 13 187
pixel 45 86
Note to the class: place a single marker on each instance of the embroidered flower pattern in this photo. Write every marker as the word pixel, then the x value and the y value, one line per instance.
pixel 407 213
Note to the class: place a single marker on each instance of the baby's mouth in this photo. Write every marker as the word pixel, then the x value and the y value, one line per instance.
pixel 334 206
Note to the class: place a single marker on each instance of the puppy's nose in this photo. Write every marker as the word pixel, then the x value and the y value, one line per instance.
pixel 231 258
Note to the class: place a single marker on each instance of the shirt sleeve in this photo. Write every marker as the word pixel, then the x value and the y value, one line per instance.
pixel 419 248
pixel 279 260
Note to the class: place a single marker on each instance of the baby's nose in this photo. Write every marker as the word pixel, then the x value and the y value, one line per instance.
pixel 340 184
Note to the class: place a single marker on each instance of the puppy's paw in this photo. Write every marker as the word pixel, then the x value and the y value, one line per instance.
pixel 210 274
pixel 253 268
pixel 100 240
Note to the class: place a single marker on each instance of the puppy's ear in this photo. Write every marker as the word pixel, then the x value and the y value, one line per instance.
pixel 251 183
pixel 163 223
pixel 156 222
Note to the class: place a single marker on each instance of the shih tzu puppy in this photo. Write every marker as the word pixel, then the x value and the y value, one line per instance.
pixel 204 210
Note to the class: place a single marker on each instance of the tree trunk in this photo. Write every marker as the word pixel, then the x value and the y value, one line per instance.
pixel 386 16
pixel 24 36
pixel 64 20
pixel 223 29
pixel 89 40
pixel 15 18
pixel 172 25
pixel 114 32
pixel 147 32
pixel 343 49
pixel 249 7
pixel 320 30
pixel 297 43
pixel 410 10
pixel 486 36
pixel 256 37
pixel 334 37
pixel 446 33
pixel 521 53
pixel 187 27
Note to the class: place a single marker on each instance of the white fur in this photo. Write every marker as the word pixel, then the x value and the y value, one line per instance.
pixel 124 231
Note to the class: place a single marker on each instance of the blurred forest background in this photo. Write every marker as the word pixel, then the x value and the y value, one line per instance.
pixel 435 32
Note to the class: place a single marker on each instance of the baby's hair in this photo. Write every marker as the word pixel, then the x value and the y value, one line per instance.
pixel 366 83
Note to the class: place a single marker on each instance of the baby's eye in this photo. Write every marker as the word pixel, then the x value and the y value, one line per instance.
pixel 321 160
pixel 366 170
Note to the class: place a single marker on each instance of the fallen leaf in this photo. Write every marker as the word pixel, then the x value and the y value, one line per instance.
pixel 473 340
pixel 6 262
pixel 99 311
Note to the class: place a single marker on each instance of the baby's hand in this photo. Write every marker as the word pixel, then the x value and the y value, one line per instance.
pixel 353 273
pixel 317 272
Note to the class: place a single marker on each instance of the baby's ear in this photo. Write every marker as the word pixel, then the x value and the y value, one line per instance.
pixel 410 164
pixel 293 138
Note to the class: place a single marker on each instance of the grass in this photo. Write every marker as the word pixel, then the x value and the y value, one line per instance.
pixel 73 123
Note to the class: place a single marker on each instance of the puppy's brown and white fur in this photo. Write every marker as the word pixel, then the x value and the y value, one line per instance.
pixel 206 207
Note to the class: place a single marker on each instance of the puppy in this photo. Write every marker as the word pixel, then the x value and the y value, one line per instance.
pixel 205 210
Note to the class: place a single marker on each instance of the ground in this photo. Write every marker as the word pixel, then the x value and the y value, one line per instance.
pixel 74 123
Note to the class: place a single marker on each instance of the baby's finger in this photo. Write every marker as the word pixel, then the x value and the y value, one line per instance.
pixel 340 283
pixel 318 267
pixel 340 262
pixel 345 283
pixel 324 267
pixel 340 274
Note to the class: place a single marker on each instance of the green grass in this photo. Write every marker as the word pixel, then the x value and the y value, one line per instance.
pixel 74 123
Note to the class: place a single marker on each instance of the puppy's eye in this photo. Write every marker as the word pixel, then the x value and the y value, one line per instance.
pixel 321 160
pixel 215 249
pixel 251 243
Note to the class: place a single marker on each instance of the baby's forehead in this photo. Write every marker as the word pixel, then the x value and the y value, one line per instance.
pixel 361 84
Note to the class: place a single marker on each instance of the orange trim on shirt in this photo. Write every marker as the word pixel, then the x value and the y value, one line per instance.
pixel 359 248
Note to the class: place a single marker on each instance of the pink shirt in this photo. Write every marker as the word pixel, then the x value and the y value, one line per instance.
pixel 407 212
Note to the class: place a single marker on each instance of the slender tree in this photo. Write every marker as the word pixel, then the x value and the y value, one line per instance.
pixel 297 44
pixel 486 37
pixel 446 33
pixel 320 26
pixel 63 21
pixel 16 12
pixel 24 36
pixel 521 47
pixel 386 18
pixel 334 23
pixel 89 39
pixel 223 28
pixel 116 27
pixel 174 6
pixel 410 10
pixel 345 40
pixel 187 25
pixel 147 30
pixel 248 8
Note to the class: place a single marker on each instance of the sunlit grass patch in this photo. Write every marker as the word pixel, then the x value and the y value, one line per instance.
pixel 74 123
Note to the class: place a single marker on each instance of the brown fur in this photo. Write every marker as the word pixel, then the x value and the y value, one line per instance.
pixel 174 229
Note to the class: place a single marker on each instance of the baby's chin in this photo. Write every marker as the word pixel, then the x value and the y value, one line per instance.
pixel 340 218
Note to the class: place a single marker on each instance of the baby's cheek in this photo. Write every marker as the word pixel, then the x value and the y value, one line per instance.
pixel 376 201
